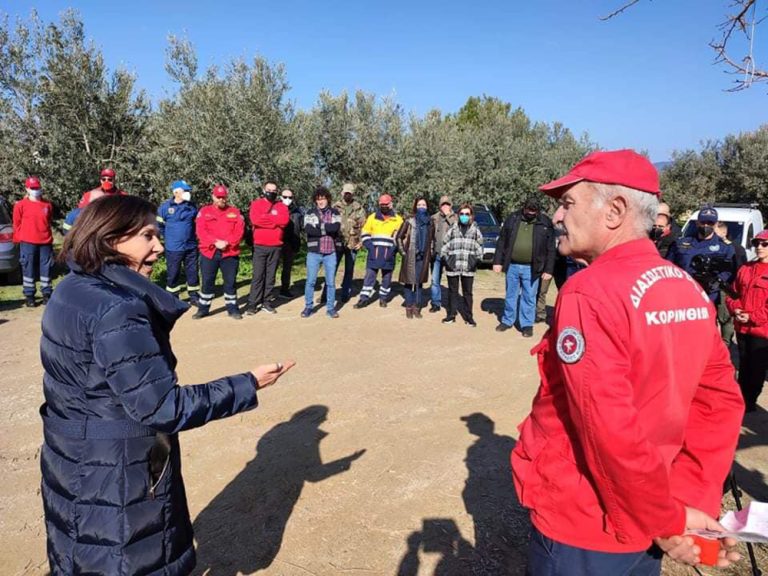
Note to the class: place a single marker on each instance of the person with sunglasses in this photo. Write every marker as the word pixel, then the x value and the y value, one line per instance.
pixel 664 232
pixel 291 241
pixel 749 307
pixel 461 252
pixel 106 188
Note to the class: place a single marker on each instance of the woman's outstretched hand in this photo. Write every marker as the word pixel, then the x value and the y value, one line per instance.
pixel 268 374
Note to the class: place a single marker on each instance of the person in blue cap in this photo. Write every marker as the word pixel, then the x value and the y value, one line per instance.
pixel 708 245
pixel 176 221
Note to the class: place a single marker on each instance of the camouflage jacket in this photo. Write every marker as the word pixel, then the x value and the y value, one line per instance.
pixel 352 220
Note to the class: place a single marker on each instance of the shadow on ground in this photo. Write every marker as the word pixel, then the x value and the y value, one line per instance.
pixel 501 525
pixel 242 529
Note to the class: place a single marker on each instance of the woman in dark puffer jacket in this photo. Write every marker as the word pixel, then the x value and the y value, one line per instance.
pixel 112 489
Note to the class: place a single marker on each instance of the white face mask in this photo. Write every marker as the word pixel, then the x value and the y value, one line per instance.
pixel 34 193
pixel 287 201
pixel 186 196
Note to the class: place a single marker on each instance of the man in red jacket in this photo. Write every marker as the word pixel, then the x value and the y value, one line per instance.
pixel 219 229
pixel 105 188
pixel 32 217
pixel 269 217
pixel 634 426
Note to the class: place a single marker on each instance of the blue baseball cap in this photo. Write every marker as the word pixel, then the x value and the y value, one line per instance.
pixel 181 184
pixel 707 214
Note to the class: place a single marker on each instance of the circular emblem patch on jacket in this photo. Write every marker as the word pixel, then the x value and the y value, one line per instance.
pixel 570 345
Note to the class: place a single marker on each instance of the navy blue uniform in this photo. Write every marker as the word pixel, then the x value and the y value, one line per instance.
pixel 177 227
pixel 683 250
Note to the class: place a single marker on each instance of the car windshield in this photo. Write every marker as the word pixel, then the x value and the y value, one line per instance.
pixel 735 230
pixel 485 219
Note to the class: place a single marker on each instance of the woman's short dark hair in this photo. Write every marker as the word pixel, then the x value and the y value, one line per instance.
pixel 102 224
pixel 321 192
pixel 417 200
pixel 467 206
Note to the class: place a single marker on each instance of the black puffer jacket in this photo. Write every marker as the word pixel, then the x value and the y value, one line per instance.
pixel 112 489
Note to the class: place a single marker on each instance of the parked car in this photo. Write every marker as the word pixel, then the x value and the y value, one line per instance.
pixel 9 252
pixel 744 222
pixel 490 229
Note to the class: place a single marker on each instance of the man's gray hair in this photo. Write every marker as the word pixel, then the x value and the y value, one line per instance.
pixel 642 205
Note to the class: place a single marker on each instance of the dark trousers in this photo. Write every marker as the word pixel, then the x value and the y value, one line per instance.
pixel 210 267
pixel 36 262
pixel 370 280
pixel 753 367
pixel 287 255
pixel 453 296
pixel 549 558
pixel 541 300
pixel 174 261
pixel 348 256
pixel 265 259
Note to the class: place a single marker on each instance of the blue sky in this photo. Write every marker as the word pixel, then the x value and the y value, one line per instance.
pixel 644 80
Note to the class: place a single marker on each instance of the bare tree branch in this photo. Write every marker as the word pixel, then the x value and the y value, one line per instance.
pixel 738 22
pixel 625 6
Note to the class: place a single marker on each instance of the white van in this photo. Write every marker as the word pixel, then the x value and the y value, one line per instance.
pixel 743 220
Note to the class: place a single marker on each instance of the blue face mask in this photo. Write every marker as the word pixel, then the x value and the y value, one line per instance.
pixel 464 219
pixel 421 210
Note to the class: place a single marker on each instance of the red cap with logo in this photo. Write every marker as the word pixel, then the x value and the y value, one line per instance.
pixel 32 183
pixel 623 167
pixel 385 199
pixel 107 173
pixel 220 191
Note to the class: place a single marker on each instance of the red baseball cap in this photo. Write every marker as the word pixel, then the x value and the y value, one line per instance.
pixel 762 235
pixel 385 199
pixel 220 191
pixel 623 167
pixel 32 183
pixel 108 172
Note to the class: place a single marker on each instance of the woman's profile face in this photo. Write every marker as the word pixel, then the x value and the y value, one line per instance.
pixel 142 249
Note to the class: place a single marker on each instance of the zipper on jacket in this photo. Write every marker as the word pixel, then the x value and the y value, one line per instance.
pixel 159 479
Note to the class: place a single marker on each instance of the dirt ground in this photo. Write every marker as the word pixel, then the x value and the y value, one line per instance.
pixel 384 452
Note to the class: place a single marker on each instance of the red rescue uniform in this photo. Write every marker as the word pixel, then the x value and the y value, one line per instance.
pixel 219 224
pixel 751 286
pixel 268 221
pixel 32 221
pixel 638 412
pixel 86 198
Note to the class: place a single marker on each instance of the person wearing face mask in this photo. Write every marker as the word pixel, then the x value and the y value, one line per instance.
pixel 704 243
pixel 415 242
pixel 664 233
pixel 176 224
pixel 291 241
pixel 219 229
pixel 106 188
pixel 112 485
pixel 32 218
pixel 269 217
pixel 461 252
pixel 525 252
pixel 378 238
pixel 749 306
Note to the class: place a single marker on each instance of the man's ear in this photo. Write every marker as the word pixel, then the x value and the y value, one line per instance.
pixel 617 209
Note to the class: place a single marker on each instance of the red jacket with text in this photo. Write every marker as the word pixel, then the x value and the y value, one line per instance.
pixel 219 224
pixel 751 285
pixel 268 221
pixel 637 413
pixel 32 221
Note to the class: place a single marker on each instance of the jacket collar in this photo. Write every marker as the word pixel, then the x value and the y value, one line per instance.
pixel 631 250
pixel 168 306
